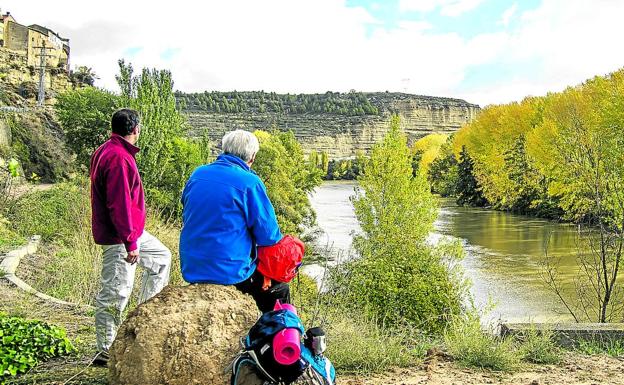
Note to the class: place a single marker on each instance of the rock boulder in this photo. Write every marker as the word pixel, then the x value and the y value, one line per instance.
pixel 184 335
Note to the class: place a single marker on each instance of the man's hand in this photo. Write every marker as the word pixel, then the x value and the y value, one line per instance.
pixel 132 257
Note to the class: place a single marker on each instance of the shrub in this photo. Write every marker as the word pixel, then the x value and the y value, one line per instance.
pixel 471 346
pixel 539 347
pixel 397 276
pixel 23 344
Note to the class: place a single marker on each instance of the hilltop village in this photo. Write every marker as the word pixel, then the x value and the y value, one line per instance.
pixel 26 50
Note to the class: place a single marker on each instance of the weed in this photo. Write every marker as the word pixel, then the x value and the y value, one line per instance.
pixel 25 343
pixel 471 346
pixel 614 348
pixel 538 347
pixel 359 345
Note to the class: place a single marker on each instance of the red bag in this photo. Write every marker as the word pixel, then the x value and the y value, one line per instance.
pixel 281 261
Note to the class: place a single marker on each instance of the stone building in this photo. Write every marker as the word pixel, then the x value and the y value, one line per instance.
pixel 27 40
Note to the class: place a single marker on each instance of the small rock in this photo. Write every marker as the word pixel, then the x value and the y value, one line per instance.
pixel 535 382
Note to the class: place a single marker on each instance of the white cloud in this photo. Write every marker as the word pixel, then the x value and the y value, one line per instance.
pixel 459 7
pixel 508 14
pixel 315 46
pixel 452 8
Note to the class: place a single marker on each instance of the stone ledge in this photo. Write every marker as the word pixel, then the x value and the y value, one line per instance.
pixel 569 335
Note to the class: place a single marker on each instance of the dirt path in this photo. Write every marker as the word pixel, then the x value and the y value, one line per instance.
pixel 574 370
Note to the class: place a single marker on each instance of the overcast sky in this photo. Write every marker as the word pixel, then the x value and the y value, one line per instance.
pixel 484 51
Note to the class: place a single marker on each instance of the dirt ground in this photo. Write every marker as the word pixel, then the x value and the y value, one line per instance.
pixel 576 369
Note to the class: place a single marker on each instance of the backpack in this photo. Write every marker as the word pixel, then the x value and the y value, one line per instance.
pixel 281 261
pixel 255 364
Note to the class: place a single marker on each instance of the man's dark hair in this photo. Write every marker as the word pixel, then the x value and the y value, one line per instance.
pixel 124 121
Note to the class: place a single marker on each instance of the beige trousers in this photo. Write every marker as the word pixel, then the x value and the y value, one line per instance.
pixel 118 279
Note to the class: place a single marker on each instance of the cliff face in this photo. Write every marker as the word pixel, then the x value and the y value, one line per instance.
pixel 16 75
pixel 342 135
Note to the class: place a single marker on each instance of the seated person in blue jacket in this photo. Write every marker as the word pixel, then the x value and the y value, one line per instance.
pixel 226 215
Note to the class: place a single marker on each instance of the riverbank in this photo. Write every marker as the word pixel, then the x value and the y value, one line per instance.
pixel 436 369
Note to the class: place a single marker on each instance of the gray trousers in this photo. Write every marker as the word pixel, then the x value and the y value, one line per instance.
pixel 118 280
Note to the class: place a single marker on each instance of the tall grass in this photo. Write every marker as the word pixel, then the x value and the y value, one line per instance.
pixel 539 347
pixel 70 263
pixel 613 348
pixel 471 346
pixel 360 345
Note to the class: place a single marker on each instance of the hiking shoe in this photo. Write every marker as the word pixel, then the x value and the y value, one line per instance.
pixel 100 359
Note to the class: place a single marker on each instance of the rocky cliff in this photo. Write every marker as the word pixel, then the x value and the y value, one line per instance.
pixel 17 77
pixel 341 135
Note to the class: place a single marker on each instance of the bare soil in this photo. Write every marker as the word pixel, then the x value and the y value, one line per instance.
pixel 574 370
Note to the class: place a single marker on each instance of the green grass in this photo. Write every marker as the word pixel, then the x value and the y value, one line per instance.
pixel 359 345
pixel 69 263
pixel 9 240
pixel 471 346
pixel 539 347
pixel 613 348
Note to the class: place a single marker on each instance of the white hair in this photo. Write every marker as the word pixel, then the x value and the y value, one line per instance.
pixel 240 143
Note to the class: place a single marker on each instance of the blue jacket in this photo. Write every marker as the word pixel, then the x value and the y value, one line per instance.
pixel 226 214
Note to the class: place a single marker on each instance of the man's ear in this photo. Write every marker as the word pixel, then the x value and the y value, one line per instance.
pixel 253 159
pixel 136 130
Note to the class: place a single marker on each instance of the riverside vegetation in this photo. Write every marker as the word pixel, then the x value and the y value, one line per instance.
pixel 557 156
pixel 399 298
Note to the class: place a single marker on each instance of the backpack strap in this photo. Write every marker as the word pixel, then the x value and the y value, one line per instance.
pixel 247 357
pixel 257 362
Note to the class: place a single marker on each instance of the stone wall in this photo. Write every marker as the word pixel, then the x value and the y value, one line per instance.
pixel 340 135
pixel 17 37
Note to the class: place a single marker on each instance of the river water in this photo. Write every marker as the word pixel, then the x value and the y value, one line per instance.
pixel 503 252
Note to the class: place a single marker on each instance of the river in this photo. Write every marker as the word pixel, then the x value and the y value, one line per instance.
pixel 503 252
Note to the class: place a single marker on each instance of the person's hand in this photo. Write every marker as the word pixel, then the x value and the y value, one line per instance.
pixel 132 257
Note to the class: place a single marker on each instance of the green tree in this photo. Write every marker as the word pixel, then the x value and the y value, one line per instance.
pixel 398 277
pixel 324 162
pixel 282 167
pixel 468 190
pixel 443 171
pixel 167 156
pixel 84 115
pixel 83 76
pixel 580 148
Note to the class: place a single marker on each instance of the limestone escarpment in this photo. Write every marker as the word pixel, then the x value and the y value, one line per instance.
pixel 341 135
pixel 17 77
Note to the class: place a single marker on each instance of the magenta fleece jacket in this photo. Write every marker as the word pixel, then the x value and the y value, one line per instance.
pixel 117 197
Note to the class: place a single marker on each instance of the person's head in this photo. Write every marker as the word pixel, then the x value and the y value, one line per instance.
pixel 242 144
pixel 125 122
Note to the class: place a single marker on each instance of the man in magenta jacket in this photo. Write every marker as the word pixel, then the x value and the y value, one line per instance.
pixel 118 220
